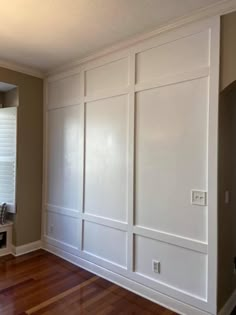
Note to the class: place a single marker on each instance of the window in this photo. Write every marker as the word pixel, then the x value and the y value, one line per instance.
pixel 8 156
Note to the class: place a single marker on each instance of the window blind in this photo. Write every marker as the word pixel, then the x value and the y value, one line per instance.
pixel 8 157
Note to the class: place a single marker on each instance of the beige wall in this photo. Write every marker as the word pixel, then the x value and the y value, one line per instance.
pixel 1 99
pixel 228 49
pixel 11 98
pixel 27 226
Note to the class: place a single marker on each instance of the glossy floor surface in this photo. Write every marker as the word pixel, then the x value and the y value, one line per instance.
pixel 40 283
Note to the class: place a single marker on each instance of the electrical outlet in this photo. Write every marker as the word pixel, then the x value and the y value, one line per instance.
pixel 51 228
pixel 156 266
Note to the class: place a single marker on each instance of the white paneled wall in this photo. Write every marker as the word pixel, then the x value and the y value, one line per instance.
pixel 63 92
pixel 97 241
pixel 172 258
pixel 106 165
pixel 171 128
pixel 63 228
pixel 127 138
pixel 63 157
pixel 111 76
pixel 184 55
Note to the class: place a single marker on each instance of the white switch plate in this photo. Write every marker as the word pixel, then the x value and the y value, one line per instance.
pixel 156 266
pixel 198 197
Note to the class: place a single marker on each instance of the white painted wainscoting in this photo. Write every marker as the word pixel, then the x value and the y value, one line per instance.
pixel 127 137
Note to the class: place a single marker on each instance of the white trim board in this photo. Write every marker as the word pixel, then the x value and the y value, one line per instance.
pixel 229 305
pixel 217 9
pixel 135 287
pixel 27 248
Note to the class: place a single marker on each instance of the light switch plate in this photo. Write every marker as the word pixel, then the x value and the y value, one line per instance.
pixel 198 197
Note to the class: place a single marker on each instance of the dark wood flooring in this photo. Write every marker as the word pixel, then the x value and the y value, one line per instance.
pixel 40 283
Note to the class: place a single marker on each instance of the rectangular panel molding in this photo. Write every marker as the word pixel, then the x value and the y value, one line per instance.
pixel 108 77
pixel 185 54
pixel 127 138
pixel 176 266
pixel 99 240
pixel 174 120
pixel 106 158
pixel 64 92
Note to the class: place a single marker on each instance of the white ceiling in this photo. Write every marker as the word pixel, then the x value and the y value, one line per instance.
pixel 44 34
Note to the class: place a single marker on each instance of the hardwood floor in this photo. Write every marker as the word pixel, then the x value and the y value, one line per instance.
pixel 40 283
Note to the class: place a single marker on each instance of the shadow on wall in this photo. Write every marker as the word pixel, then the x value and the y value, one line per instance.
pixel 227 194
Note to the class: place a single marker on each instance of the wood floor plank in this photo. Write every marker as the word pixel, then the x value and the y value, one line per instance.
pixel 41 283
pixel 60 296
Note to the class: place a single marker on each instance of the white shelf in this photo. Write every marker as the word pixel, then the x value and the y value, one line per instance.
pixel 7 224
pixel 8 229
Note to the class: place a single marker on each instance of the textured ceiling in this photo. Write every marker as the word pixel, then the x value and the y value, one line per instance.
pixel 47 33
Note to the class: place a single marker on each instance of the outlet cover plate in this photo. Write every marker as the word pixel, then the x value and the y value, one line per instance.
pixel 156 266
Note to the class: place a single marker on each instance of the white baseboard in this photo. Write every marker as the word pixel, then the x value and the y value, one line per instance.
pixel 27 248
pixel 229 305
pixel 148 293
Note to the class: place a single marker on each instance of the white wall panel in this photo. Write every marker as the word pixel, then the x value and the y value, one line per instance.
pixel 63 228
pixel 63 157
pixel 143 136
pixel 182 55
pixel 113 75
pixel 180 268
pixel 106 158
pixel 63 92
pixel 105 242
pixel 171 158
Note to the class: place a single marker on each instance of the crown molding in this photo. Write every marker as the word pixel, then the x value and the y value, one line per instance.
pixel 22 69
pixel 217 9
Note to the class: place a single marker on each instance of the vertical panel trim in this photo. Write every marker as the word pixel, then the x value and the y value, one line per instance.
pixel 212 162
pixel 131 140
pixel 82 156
pixel 45 157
